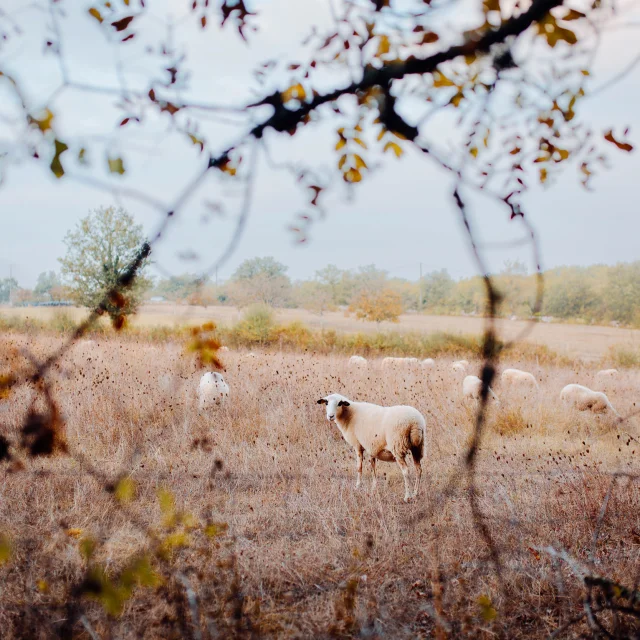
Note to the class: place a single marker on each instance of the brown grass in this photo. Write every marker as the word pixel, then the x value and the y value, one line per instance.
pixel 578 341
pixel 305 555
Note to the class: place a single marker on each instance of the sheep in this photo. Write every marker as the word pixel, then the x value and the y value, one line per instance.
pixel 472 388
pixel 358 362
pixel 428 363
pixel 607 373
pixel 460 366
pixel 385 433
pixel 517 378
pixel 212 390
pixel 392 363
pixel 223 349
pixel 582 398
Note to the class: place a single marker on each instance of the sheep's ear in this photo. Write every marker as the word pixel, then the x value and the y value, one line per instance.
pixel 323 401
pixel 343 403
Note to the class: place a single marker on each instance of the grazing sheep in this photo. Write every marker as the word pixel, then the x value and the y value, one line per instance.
pixel 392 363
pixel 472 388
pixel 212 390
pixel 460 366
pixel 224 349
pixel 358 362
pixel 584 399
pixel 428 363
pixel 517 378
pixel 607 373
pixel 385 433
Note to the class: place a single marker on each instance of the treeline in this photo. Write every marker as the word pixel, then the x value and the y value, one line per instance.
pixel 595 294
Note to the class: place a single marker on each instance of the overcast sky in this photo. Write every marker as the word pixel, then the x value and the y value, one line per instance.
pixel 398 219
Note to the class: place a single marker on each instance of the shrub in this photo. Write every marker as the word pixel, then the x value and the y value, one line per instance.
pixel 623 356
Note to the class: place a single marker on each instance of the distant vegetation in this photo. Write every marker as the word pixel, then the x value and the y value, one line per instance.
pixel 597 294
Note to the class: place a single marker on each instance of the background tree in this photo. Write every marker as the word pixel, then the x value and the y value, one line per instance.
pixel 7 285
pixel 260 280
pixel 99 251
pixel 314 297
pixel 47 281
pixel 377 306
pixel 437 287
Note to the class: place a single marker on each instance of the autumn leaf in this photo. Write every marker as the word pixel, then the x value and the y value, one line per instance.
pixel 384 46
pixel 456 99
pixel 6 549
pixel 430 37
pixel 543 175
pixel 474 151
pixel 623 146
pixel 359 162
pixel 116 165
pixel 440 80
pixel 396 148
pixel 353 175
pixel 487 610
pixel 56 165
pixel 572 14
pixel 96 14
pixel 123 23
pixel 295 92
pixel 44 122
pixel 125 490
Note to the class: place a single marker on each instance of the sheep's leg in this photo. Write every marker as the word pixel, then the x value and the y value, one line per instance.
pixel 402 463
pixel 374 481
pixel 418 468
pixel 359 466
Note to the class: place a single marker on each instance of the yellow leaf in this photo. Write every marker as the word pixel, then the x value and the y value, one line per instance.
pixel 6 549
pixel 43 586
pixel 396 148
pixel 381 134
pixel 440 80
pixel 116 165
pixel 214 529
pixel 474 151
pixel 87 548
pixel 543 175
pixel 585 72
pixel 44 122
pixel 353 175
pixel 360 142
pixel 490 5
pixel 295 92
pixel 95 13
pixel 360 163
pixel 457 99
pixel 341 143
pixel 384 46
pixel 572 14
pixel 74 532
pixel 125 490
pixel 343 159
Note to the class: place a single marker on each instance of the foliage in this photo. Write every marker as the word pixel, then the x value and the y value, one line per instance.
pixel 377 306
pixel 7 285
pixel 257 324
pixel 99 251
pixel 47 281
pixel 314 297
pixel 260 280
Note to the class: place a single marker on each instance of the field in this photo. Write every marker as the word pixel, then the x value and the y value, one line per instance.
pixel 579 341
pixel 243 521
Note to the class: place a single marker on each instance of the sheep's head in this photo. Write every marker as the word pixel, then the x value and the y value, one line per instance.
pixel 335 404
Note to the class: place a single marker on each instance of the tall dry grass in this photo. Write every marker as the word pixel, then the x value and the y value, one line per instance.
pixel 297 551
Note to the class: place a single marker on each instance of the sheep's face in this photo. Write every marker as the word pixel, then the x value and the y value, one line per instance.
pixel 335 404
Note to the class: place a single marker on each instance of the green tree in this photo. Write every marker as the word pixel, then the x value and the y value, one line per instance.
pixel 99 251
pixel 314 297
pixel 623 292
pixel 260 280
pixel 437 287
pixel 47 281
pixel 7 285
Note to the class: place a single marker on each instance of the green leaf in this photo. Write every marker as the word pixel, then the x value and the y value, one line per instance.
pixel 487 610
pixel 125 490
pixel 116 165
pixel 56 165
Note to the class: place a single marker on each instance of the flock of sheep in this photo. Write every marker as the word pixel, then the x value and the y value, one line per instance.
pixel 390 434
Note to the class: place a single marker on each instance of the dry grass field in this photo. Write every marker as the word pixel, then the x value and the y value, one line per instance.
pixel 293 550
pixel 580 341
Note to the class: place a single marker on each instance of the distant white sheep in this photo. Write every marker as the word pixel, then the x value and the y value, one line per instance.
pixel 358 362
pixel 607 374
pixel 472 389
pixel 212 390
pixel 223 349
pixel 400 363
pixel 385 433
pixel 460 366
pixel 516 378
pixel 428 363
pixel 584 399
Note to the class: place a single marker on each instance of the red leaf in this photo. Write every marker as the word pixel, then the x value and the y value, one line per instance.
pixel 123 23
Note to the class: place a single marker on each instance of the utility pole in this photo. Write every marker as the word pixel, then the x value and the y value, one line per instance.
pixel 10 285
pixel 420 291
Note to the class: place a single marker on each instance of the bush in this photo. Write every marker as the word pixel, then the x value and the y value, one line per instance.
pixel 623 356
pixel 257 325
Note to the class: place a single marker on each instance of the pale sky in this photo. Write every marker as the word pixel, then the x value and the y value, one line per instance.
pixel 399 218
